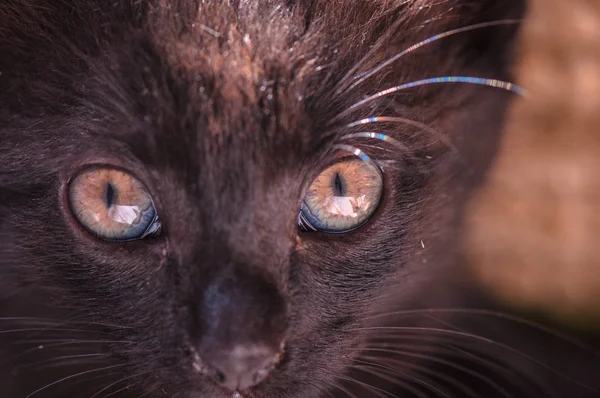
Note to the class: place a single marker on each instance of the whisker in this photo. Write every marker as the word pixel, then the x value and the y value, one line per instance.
pixel 43 329
pixel 356 152
pixel 377 136
pixel 389 379
pixel 392 141
pixel 91 379
pixel 112 394
pixel 532 377
pixel 117 382
pixel 58 343
pixel 380 42
pixel 423 43
pixel 72 363
pixel 508 86
pixel 321 390
pixel 56 359
pixel 501 315
pixel 376 390
pixel 450 351
pixel 452 365
pixel 44 342
pixel 51 321
pixel 395 372
pixel 73 376
pixel 481 339
pixel 30 319
pixel 504 370
pixel 430 372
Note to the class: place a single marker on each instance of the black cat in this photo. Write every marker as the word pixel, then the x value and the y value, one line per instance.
pixel 256 199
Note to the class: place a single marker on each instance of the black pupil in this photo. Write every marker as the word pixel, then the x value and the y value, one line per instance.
pixel 110 194
pixel 339 187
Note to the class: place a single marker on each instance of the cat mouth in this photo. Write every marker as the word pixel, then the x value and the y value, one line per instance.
pixel 241 389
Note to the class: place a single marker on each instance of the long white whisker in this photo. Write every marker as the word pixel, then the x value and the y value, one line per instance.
pixel 50 321
pixel 86 380
pixel 397 382
pixel 396 119
pixel 448 348
pixel 127 387
pixel 58 360
pixel 433 374
pixel 441 361
pixel 495 314
pixel 68 343
pixel 71 377
pixel 424 43
pixel 356 152
pixel 376 136
pixel 427 372
pixel 44 329
pixel 497 367
pixel 117 382
pixel 380 42
pixel 485 340
pixel 395 372
pixel 144 394
pixel 380 392
pixel 508 86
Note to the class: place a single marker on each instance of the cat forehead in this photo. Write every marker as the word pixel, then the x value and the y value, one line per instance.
pixel 240 49
pixel 225 59
pixel 230 76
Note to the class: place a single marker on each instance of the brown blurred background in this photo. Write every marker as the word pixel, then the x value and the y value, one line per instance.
pixel 535 230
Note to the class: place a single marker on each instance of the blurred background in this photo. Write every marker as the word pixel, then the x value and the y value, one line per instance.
pixel 534 236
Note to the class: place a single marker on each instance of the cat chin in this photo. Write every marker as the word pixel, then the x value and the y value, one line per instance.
pixel 262 393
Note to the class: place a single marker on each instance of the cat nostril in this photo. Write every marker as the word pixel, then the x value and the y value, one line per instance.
pixel 242 367
pixel 219 376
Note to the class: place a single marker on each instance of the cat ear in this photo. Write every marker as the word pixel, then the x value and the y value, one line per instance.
pixel 485 29
pixel 490 42
pixel 478 36
pixel 364 22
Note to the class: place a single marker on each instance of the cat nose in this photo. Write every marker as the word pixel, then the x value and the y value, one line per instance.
pixel 243 367
pixel 242 327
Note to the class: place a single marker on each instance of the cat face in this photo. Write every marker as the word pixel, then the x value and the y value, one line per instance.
pixel 224 191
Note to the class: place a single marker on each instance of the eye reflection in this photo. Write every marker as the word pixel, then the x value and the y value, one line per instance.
pixel 113 205
pixel 342 198
pixel 124 214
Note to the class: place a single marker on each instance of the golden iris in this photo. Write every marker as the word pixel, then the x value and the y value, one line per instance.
pixel 343 197
pixel 113 205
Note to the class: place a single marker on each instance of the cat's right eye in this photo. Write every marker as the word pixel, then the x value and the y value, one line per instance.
pixel 113 205
pixel 342 198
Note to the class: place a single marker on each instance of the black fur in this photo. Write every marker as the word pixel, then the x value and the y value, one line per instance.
pixel 226 110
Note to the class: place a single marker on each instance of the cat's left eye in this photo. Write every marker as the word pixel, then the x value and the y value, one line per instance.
pixel 113 205
pixel 342 198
